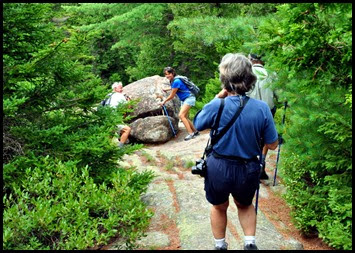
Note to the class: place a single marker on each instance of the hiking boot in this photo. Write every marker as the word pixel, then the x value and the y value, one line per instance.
pixel 224 247
pixel 189 137
pixel 196 133
pixel 250 247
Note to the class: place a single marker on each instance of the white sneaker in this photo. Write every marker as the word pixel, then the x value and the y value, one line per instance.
pixel 189 137
pixel 224 247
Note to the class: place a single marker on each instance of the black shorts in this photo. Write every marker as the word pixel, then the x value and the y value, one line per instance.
pixel 226 176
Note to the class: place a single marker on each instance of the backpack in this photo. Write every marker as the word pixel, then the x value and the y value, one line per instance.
pixel 107 100
pixel 190 85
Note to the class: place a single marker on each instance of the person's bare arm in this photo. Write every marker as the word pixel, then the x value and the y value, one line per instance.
pixel 273 145
pixel 170 97
pixel 167 89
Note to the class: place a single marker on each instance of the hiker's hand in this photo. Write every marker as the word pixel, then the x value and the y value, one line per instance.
pixel 161 104
pixel 222 94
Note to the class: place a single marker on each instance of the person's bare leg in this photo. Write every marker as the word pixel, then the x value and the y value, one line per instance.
pixel 125 133
pixel 191 125
pixel 184 111
pixel 218 218
pixel 247 218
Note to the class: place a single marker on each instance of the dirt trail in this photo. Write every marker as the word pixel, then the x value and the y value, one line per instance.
pixel 181 212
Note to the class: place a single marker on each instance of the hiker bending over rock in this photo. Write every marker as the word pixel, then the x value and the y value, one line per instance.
pixel 117 98
pixel 187 101
pixel 233 166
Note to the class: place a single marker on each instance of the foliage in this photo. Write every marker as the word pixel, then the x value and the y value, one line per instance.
pixel 203 33
pixel 127 40
pixel 309 45
pixel 49 98
pixel 220 35
pixel 57 206
pixel 226 10
pixel 25 31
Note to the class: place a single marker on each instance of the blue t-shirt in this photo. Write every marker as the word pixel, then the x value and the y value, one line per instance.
pixel 255 121
pixel 183 91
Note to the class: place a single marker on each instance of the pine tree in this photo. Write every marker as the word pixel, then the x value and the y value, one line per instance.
pixel 309 46
pixel 62 186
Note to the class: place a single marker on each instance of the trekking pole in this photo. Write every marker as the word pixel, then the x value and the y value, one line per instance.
pixel 171 124
pixel 280 143
pixel 257 190
pixel 257 198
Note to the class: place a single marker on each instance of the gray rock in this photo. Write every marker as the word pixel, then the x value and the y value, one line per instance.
pixel 153 129
pixel 154 240
pixel 292 244
pixel 152 124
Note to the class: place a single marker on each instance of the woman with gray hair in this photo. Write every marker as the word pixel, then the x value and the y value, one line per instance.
pixel 118 97
pixel 233 166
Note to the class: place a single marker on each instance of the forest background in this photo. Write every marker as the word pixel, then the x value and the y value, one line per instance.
pixel 62 188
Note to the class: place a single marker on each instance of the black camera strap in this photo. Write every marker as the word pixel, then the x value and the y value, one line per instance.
pixel 216 137
pixel 215 127
pixel 216 124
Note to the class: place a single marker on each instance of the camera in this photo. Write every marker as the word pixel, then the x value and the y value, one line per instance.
pixel 200 168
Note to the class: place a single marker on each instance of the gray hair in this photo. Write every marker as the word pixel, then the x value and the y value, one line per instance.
pixel 116 84
pixel 236 73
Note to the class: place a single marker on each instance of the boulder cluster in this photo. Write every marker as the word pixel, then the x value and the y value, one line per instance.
pixel 150 123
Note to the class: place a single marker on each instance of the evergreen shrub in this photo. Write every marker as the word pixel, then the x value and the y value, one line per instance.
pixel 62 187
pixel 58 206
pixel 310 48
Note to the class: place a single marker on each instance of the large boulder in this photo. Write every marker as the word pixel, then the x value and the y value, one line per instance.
pixel 150 123
pixel 154 129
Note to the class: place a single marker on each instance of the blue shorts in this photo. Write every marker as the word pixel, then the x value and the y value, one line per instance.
pixel 226 176
pixel 191 100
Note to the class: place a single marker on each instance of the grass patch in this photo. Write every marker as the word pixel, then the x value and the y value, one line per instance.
pixel 149 158
pixel 169 165
pixel 189 164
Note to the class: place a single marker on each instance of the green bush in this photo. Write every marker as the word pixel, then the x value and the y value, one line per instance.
pixel 58 206
pixel 310 48
pixel 62 187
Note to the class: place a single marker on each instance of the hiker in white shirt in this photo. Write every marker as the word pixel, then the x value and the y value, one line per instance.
pixel 117 98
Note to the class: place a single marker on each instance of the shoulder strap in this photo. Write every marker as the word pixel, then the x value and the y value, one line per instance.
pixel 108 101
pixel 216 138
pixel 184 80
pixel 216 125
